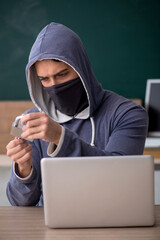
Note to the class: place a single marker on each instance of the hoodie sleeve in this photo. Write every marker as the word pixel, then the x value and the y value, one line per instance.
pixel 27 191
pixel 127 134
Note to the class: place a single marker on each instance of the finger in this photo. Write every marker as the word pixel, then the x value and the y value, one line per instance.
pixel 15 142
pixel 32 123
pixel 31 133
pixel 24 155
pixel 26 159
pixel 31 116
pixel 16 149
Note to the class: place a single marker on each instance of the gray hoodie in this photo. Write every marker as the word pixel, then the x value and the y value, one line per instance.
pixel 111 125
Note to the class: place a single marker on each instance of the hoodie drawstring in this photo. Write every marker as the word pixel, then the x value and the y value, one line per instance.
pixel 93 131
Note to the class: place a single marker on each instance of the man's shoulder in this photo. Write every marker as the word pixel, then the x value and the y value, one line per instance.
pixel 115 100
pixel 117 105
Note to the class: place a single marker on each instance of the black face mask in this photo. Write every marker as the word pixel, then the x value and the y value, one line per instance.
pixel 69 97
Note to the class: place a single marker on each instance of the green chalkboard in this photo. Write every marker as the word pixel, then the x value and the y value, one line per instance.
pixel 121 37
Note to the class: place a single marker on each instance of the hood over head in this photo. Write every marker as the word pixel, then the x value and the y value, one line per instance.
pixel 56 41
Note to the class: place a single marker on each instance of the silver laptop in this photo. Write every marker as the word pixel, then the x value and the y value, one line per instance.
pixel 82 192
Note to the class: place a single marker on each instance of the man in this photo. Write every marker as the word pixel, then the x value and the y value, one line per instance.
pixel 73 115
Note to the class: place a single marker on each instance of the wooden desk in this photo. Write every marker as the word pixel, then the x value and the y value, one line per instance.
pixel 155 152
pixel 27 223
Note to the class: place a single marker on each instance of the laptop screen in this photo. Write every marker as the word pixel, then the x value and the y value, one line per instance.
pixel 152 105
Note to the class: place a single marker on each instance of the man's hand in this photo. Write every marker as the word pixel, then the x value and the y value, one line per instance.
pixel 21 153
pixel 40 126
